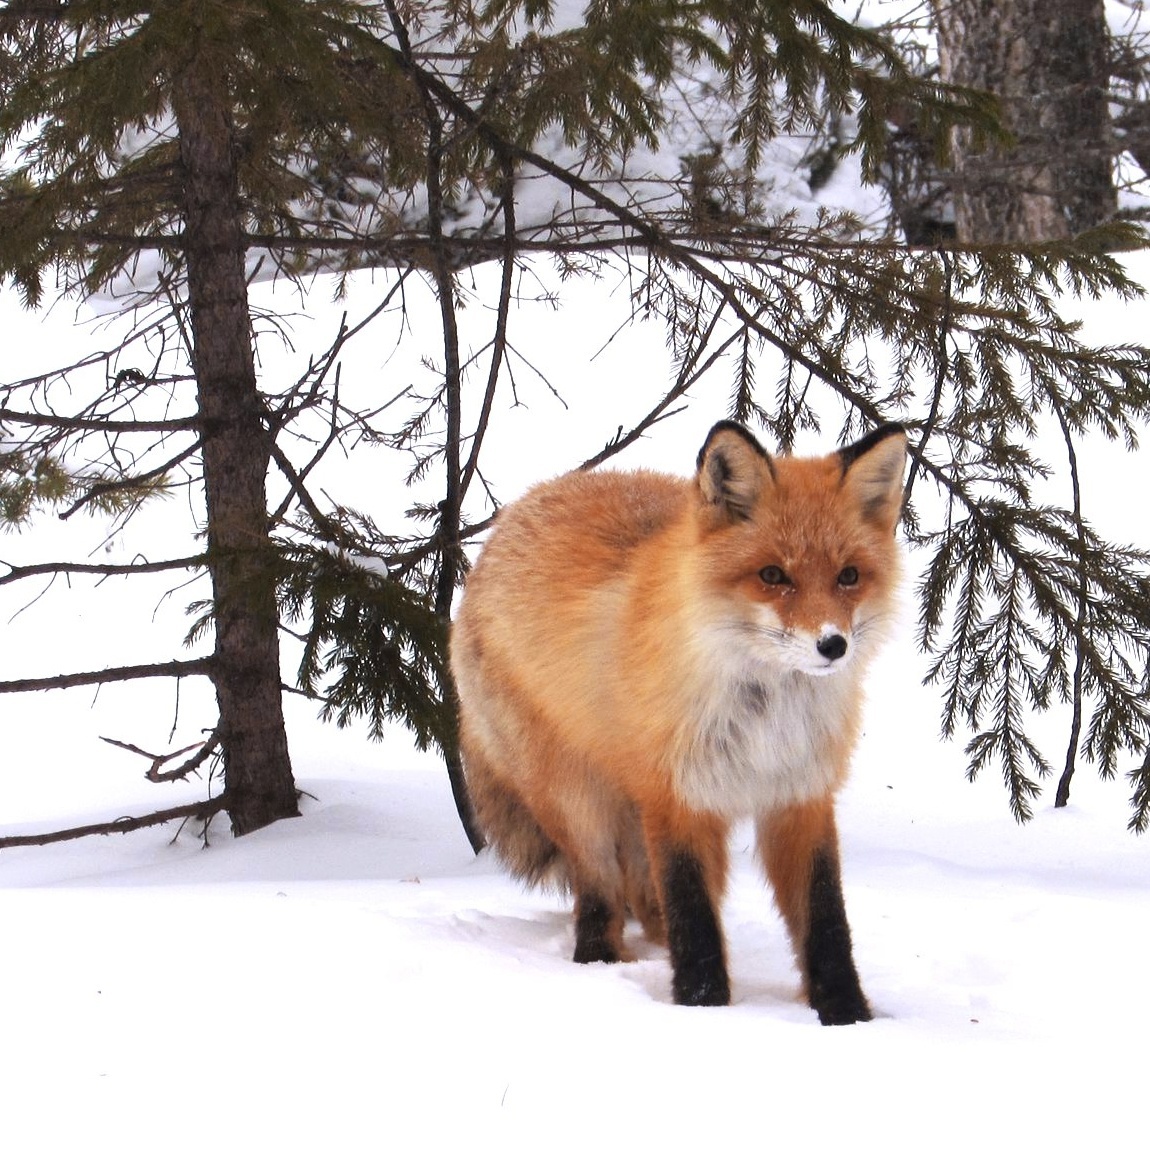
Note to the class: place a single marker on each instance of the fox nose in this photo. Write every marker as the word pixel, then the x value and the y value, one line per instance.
pixel 832 646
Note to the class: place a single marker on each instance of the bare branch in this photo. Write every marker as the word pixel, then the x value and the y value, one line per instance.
pixel 450 517
pixel 646 232
pixel 329 527
pixel 110 426
pixel 1062 792
pixel 121 826
pixel 176 669
pixel 499 342
pixel 32 569
pixel 688 376
pixel 939 377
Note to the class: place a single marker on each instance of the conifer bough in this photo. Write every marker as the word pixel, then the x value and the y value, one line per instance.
pixel 174 150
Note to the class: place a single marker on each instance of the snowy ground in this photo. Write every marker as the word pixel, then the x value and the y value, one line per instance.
pixel 357 978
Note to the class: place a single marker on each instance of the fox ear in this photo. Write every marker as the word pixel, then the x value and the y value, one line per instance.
pixel 731 468
pixel 872 469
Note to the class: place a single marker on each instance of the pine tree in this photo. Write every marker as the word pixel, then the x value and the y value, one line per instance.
pixel 413 136
pixel 163 127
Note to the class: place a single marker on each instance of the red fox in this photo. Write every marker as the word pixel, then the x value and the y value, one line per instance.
pixel 642 659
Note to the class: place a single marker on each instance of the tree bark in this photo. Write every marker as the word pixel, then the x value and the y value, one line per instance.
pixel 1047 61
pixel 259 787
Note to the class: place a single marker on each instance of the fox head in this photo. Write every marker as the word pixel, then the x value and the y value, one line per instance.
pixel 800 552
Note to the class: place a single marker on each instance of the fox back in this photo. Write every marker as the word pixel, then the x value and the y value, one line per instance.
pixel 640 659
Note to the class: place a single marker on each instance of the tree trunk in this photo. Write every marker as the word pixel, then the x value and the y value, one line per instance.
pixel 1047 61
pixel 259 787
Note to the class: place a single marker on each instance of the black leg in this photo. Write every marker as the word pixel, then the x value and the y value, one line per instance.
pixel 697 962
pixel 832 981
pixel 594 924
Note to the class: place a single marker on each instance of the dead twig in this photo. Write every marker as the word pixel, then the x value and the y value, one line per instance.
pixel 154 774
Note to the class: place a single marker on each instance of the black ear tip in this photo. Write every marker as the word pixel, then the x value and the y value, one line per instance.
pixel 872 439
pixel 729 471
pixel 884 431
pixel 728 425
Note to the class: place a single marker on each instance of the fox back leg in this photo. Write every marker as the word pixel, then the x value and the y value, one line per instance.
pixel 586 823
pixel 799 849
pixel 537 847
pixel 639 883
pixel 569 837
pixel 580 838
pixel 617 864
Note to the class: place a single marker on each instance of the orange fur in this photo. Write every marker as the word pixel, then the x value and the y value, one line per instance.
pixel 641 659
pixel 787 842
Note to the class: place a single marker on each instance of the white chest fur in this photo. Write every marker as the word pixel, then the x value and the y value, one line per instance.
pixel 763 738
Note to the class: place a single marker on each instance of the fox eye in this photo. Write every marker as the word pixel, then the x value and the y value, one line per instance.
pixel 848 577
pixel 773 576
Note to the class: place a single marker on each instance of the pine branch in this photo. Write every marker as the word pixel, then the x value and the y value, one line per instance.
pixel 1139 779
pixel 99 491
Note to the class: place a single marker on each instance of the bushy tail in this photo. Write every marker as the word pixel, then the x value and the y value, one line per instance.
pixel 512 831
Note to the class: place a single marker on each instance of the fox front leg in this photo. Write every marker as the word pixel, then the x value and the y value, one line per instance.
pixel 799 849
pixel 689 861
